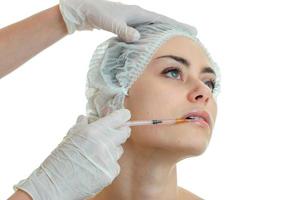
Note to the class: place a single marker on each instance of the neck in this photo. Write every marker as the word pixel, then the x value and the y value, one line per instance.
pixel 145 174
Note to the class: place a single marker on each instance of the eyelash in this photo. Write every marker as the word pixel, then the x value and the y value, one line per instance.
pixel 170 69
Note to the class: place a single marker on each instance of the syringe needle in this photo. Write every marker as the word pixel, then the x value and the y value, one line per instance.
pixel 156 122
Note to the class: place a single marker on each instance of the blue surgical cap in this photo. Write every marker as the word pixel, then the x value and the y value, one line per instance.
pixel 115 65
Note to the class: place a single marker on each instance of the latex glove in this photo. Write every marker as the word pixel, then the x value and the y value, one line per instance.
pixel 110 16
pixel 83 163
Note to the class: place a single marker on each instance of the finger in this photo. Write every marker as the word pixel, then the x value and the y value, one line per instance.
pixel 114 119
pixel 116 153
pixel 126 33
pixel 119 136
pixel 120 152
pixel 149 17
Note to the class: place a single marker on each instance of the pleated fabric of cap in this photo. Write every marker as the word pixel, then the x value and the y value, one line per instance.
pixel 115 65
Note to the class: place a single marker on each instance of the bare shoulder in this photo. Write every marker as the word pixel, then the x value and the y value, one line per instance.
pixel 187 195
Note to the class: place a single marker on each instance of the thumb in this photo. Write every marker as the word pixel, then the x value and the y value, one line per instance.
pixel 126 33
pixel 114 119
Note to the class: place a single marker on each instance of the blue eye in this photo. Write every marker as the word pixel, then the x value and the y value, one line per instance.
pixel 212 84
pixel 174 71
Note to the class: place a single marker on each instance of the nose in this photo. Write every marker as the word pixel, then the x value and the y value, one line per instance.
pixel 200 93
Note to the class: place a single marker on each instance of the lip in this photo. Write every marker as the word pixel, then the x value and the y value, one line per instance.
pixel 202 114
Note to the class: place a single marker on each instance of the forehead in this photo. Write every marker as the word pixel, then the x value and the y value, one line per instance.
pixel 183 47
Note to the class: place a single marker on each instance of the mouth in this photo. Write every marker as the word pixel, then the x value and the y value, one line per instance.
pixel 199 117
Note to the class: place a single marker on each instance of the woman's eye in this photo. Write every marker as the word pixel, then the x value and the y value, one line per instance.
pixel 211 84
pixel 173 72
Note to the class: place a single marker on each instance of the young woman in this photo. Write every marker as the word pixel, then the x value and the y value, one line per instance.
pixel 167 74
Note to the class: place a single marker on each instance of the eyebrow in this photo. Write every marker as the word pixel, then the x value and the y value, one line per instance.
pixel 186 63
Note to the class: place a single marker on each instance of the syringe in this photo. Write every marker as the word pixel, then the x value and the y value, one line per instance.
pixel 157 122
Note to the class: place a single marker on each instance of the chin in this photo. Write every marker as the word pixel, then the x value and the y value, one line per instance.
pixel 181 140
pixel 193 149
pixel 192 142
pixel 197 151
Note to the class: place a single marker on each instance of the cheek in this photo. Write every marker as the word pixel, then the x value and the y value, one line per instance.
pixel 153 103
pixel 214 111
pixel 150 101
pixel 143 106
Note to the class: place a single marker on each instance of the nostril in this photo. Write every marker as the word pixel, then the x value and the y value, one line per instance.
pixel 199 96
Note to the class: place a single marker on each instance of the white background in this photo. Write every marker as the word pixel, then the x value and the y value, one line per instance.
pixel 254 152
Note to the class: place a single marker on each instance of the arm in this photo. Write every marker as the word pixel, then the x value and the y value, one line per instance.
pixel 20 195
pixel 21 41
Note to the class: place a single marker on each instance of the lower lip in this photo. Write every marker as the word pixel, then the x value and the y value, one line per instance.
pixel 201 122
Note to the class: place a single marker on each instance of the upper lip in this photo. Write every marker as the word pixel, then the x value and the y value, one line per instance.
pixel 202 114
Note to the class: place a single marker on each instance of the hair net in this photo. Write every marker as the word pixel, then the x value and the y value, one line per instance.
pixel 115 65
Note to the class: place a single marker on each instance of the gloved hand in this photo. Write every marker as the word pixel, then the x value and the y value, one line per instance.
pixel 110 16
pixel 83 163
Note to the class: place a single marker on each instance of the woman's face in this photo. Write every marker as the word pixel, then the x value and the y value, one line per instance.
pixel 162 92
